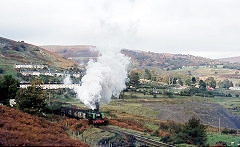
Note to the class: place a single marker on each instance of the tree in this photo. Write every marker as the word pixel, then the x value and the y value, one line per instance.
pixel 193 133
pixel 191 81
pixel 210 82
pixel 202 85
pixel 194 80
pixel 188 82
pixel 225 84
pixel 8 88
pixel 168 93
pixel 148 74
pixel 180 82
pixel 32 99
pixel 134 79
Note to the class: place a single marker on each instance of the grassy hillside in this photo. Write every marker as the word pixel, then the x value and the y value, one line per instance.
pixel 167 61
pixel 13 52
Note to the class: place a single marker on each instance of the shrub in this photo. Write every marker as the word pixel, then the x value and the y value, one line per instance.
pixel 229 131
pixel 1 70
pixel 221 143
pixel 192 133
pixel 78 126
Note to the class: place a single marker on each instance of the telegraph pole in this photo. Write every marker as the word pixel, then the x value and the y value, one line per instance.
pixel 219 124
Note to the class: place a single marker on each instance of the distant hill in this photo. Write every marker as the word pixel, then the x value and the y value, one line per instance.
pixel 79 53
pixel 82 53
pixel 18 52
pixel 142 59
pixel 231 59
pixel 167 61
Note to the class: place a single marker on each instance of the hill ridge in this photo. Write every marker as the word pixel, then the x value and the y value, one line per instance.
pixel 231 59
pixel 18 52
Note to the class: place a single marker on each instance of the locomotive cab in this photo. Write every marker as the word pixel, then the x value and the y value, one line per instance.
pixel 95 117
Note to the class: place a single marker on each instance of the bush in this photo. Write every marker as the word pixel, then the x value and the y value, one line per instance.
pixel 229 131
pixel 168 93
pixel 228 95
pixel 193 132
pixel 78 126
pixel 1 70
pixel 166 139
pixel 155 133
pixel 221 143
pixel 53 107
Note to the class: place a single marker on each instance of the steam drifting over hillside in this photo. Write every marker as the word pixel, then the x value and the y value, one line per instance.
pixel 104 78
pixel 67 80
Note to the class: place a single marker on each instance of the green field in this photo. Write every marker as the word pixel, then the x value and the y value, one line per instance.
pixel 212 138
pixel 131 108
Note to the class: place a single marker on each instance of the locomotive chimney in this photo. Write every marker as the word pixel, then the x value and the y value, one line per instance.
pixel 97 106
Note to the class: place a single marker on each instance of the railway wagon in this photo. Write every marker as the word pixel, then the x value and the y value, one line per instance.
pixel 73 112
pixel 94 116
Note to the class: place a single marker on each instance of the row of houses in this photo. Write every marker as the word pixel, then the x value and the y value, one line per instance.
pixel 37 73
pixel 234 88
pixel 31 66
pixel 53 86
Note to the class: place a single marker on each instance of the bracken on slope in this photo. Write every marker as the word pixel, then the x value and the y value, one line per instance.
pixel 21 129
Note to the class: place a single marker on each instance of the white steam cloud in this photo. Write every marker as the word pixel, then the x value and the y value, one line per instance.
pixel 104 79
pixel 67 80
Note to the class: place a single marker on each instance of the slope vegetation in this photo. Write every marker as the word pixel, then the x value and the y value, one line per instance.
pixel 22 129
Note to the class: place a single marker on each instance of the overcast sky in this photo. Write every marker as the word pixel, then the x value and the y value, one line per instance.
pixel 207 28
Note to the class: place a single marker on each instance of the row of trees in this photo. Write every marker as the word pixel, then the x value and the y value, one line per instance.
pixel 134 80
pixel 196 86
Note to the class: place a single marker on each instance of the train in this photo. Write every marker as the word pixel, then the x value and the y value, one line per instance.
pixel 94 117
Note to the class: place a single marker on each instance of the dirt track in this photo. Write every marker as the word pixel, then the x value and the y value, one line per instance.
pixel 209 113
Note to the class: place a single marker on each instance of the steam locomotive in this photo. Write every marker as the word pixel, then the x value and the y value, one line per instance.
pixel 94 116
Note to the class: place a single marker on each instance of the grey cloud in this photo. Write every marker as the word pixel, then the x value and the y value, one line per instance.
pixel 159 26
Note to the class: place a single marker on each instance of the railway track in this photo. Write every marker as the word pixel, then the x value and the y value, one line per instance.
pixel 140 138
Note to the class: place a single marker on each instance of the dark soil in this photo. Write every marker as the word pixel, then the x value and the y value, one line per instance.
pixel 208 113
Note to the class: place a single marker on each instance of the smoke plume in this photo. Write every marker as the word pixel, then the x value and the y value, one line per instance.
pixel 104 78
pixel 67 80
